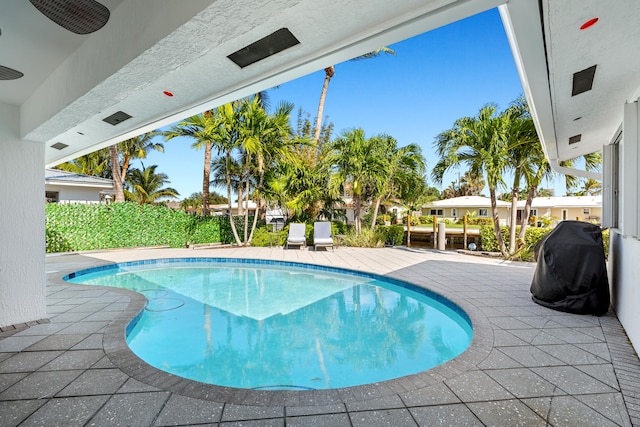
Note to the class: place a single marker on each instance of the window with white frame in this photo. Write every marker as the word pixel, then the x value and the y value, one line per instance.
pixel 586 211
pixel 483 212
pixel 454 212
pixel 533 212
pixel 438 212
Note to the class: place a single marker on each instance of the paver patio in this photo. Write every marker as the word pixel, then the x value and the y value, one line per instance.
pixel 527 365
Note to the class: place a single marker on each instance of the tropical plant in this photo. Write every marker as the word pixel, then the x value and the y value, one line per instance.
pixel 92 164
pixel 521 139
pixel 479 143
pixel 202 129
pixel 399 166
pixel 263 139
pixel 468 185
pixel 122 153
pixel 145 186
pixel 329 72
pixel 413 195
pixel 590 187
pixel 356 162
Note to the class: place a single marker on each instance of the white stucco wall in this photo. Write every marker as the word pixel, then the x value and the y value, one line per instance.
pixel 22 242
pixel 68 194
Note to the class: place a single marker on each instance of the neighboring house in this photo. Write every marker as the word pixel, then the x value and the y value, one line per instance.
pixel 68 187
pixel 584 208
pixel 223 208
pixel 457 207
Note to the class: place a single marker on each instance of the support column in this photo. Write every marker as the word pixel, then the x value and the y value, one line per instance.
pixel 22 241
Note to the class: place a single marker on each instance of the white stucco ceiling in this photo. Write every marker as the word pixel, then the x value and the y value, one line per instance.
pixel 71 82
pixel 549 59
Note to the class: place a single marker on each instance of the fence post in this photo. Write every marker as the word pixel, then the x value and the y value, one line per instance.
pixel 464 232
pixel 442 236
pixel 435 234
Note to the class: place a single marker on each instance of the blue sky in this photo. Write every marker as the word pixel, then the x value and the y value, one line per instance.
pixel 433 79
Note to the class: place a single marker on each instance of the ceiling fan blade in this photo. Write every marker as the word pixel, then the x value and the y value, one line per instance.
pixel 7 73
pixel 77 16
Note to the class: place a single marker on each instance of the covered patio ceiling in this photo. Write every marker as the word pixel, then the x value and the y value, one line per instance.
pixel 159 61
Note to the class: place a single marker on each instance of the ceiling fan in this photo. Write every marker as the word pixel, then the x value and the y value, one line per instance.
pixel 77 16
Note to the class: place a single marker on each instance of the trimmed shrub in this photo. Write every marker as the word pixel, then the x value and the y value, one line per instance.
pixel 366 239
pixel 78 227
pixel 393 235
pixel 425 219
pixel 262 236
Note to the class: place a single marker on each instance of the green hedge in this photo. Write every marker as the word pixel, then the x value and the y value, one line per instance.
pixel 76 227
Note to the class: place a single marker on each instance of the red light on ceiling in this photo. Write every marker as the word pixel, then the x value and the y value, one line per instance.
pixel 590 23
pixel 166 92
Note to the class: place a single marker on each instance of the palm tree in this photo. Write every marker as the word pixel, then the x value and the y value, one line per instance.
pixel 93 164
pixel 468 185
pixel 399 165
pixel 133 148
pixel 202 129
pixel 522 141
pixel 264 139
pixel 329 72
pixel 413 194
pixel 147 186
pixel 356 162
pixel 590 187
pixel 479 143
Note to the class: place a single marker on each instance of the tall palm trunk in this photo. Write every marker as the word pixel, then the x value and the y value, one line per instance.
pixel 117 175
pixel 513 220
pixel 246 212
pixel 232 222
pixel 357 205
pixel 375 213
pixel 496 221
pixel 260 202
pixel 514 213
pixel 240 198
pixel 409 228
pixel 206 178
pixel 328 73
pixel 527 211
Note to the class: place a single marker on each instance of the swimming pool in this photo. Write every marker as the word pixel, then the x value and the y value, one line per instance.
pixel 281 325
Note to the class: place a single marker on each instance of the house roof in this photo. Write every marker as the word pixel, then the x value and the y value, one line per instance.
pixel 564 202
pixel 466 202
pixel 60 177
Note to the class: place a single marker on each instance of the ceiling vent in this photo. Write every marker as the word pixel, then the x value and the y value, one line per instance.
pixel 263 48
pixel 59 146
pixel 77 16
pixel 583 80
pixel 7 73
pixel 575 139
pixel 117 118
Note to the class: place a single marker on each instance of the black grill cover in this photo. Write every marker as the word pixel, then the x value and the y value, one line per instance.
pixel 571 274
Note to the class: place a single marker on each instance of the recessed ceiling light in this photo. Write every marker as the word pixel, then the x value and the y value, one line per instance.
pixel 59 146
pixel 583 80
pixel 117 118
pixel 590 23
pixel 270 45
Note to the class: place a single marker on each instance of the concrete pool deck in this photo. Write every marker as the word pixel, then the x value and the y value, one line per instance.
pixel 527 365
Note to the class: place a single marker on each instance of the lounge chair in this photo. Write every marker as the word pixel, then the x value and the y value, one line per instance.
pixel 296 235
pixel 322 235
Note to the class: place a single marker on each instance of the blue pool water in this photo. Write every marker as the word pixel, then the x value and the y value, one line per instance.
pixel 269 325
